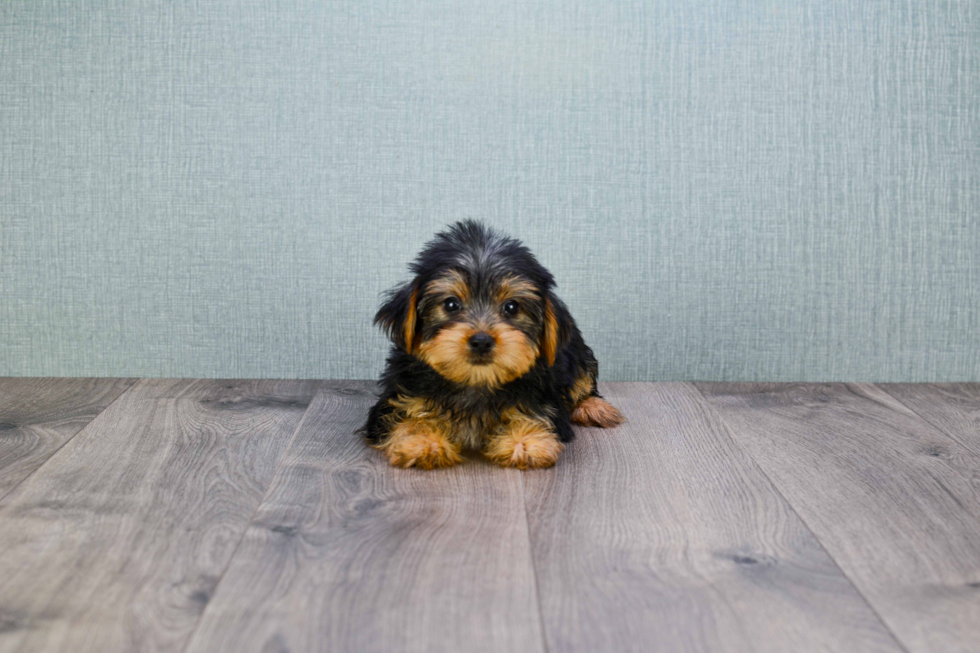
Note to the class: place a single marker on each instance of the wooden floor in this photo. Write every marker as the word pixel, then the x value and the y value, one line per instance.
pixel 202 515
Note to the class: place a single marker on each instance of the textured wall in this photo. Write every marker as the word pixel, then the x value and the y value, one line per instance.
pixel 725 190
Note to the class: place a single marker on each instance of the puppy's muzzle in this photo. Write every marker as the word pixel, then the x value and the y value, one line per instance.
pixel 481 344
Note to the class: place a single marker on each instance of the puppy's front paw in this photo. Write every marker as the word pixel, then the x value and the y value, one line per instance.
pixel 413 444
pixel 524 443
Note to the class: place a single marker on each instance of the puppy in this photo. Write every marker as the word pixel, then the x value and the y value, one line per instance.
pixel 484 356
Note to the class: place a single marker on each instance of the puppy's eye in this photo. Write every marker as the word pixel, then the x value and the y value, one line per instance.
pixel 452 305
pixel 511 308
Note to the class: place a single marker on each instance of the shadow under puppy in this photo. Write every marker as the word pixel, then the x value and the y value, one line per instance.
pixel 484 355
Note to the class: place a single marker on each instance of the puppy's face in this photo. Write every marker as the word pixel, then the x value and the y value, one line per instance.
pixel 480 333
pixel 479 310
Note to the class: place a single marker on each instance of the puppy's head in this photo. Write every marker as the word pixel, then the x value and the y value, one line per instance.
pixel 479 310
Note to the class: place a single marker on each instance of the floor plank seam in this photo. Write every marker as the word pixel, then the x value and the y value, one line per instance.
pixel 952 436
pixel 534 567
pixel 258 506
pixel 729 431
pixel 65 443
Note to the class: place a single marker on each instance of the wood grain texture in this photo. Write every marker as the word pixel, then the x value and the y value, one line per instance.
pixel 347 553
pixel 895 501
pixel 662 535
pixel 118 542
pixel 953 408
pixel 39 415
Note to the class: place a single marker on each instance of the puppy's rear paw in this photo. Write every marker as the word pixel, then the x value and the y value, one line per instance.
pixel 595 411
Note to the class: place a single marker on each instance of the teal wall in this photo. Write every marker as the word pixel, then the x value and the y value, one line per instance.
pixel 781 190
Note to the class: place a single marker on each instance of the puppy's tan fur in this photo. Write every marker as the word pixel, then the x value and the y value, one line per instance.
pixel 523 441
pixel 420 436
pixel 448 353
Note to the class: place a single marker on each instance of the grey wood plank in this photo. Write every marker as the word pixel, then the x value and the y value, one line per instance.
pixel 39 415
pixel 117 543
pixel 953 408
pixel 895 501
pixel 347 553
pixel 662 535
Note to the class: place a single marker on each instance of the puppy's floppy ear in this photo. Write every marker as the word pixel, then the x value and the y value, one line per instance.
pixel 398 316
pixel 557 327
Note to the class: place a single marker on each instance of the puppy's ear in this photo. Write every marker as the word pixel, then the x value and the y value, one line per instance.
pixel 557 328
pixel 397 317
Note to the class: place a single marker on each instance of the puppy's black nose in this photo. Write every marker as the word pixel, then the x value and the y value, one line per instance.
pixel 481 343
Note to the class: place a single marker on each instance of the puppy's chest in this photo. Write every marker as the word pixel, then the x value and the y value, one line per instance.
pixel 474 419
pixel 473 430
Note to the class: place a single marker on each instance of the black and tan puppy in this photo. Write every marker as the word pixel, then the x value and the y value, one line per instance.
pixel 484 356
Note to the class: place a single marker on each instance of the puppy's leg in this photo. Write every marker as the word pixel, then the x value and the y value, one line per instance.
pixel 589 408
pixel 419 438
pixel 523 441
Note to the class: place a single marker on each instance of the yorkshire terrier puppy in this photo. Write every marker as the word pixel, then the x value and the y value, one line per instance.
pixel 484 356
